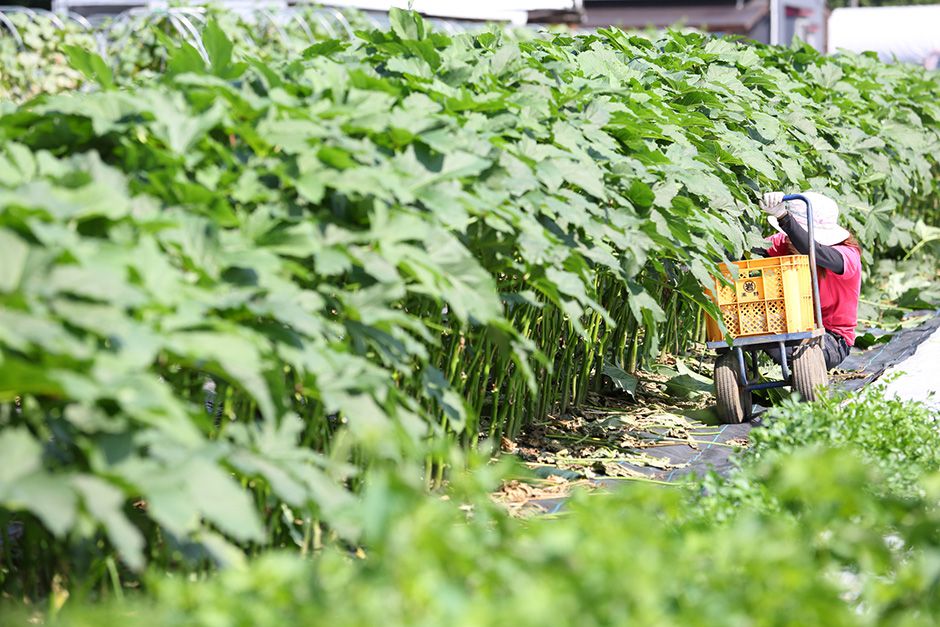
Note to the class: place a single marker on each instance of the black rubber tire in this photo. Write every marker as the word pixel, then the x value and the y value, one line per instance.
pixel 734 402
pixel 810 377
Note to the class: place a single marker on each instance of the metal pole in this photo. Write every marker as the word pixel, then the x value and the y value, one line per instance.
pixel 13 30
pixel 784 367
pixel 774 22
pixel 742 369
pixel 812 254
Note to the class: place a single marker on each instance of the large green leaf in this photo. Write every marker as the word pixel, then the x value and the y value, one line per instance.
pixel 13 254
pixel 105 503
pixel 91 65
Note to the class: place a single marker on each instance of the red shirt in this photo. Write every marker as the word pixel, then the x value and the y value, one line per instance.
pixel 838 293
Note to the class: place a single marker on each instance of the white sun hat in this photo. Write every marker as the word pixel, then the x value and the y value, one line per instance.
pixel 826 230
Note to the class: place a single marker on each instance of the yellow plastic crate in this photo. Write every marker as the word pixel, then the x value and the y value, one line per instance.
pixel 769 296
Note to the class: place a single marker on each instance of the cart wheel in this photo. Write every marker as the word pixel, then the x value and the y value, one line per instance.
pixel 734 402
pixel 810 377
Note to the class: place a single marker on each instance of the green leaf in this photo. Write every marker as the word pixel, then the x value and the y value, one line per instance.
pixel 684 382
pixel 336 158
pixel 282 482
pixel 622 380
pixel 13 254
pixel 18 377
pixel 464 284
pixel 180 127
pixel 437 387
pixel 641 194
pixel 184 58
pixel 91 65
pixel 218 47
pixel 17 166
pixel 105 503
pixel 230 508
pixel 223 552
pixel 324 48
pixel 21 453
pixel 407 24
pixel 865 341
pixel 639 301
pixel 767 126
pixel 47 496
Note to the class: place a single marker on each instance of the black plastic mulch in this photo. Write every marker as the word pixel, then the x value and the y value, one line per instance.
pixel 713 452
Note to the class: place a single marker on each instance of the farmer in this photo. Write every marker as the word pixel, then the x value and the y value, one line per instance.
pixel 838 261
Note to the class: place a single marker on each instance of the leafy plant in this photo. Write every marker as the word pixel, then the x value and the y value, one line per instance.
pixel 33 58
pixel 900 439
pixel 841 549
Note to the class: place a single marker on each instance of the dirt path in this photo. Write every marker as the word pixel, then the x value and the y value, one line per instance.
pixel 657 437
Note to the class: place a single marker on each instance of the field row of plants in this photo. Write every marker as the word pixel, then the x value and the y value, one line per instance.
pixel 33 44
pixel 831 519
pixel 259 278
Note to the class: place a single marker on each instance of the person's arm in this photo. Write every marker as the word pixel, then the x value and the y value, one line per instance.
pixel 827 257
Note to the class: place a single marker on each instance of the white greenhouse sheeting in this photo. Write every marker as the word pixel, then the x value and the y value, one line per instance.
pixel 111 6
pixel 517 12
pixel 512 11
pixel 917 375
pixel 909 33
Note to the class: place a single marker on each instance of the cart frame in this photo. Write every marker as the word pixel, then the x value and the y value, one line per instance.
pixel 754 343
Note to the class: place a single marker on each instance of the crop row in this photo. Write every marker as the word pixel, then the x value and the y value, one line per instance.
pixel 249 277
pixel 831 518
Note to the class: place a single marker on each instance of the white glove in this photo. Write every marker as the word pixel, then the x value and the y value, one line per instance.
pixel 772 204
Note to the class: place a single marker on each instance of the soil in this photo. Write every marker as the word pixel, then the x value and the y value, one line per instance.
pixel 610 437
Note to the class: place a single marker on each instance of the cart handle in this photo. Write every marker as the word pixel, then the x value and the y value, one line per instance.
pixel 812 255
